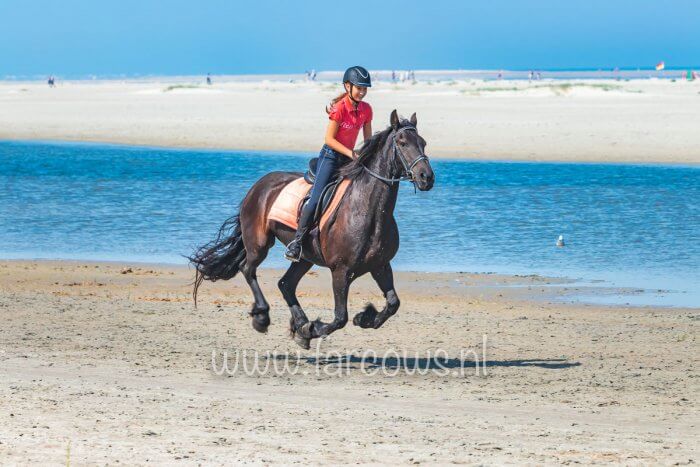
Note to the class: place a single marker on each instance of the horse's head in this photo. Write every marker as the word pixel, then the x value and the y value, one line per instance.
pixel 409 148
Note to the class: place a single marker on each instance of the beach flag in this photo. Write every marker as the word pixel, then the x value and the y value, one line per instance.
pixel 660 66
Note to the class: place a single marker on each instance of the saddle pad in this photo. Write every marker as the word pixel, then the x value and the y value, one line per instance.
pixel 286 206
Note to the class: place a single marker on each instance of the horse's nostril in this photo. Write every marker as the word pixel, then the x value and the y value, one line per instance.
pixel 423 176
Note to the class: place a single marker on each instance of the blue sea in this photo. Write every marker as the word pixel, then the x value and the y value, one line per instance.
pixel 627 225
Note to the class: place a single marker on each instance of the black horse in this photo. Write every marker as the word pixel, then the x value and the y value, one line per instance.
pixel 360 237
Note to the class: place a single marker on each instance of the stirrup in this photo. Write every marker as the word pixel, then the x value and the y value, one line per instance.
pixel 288 255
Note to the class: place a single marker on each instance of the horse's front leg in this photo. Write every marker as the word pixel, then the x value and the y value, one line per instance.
pixel 370 317
pixel 341 285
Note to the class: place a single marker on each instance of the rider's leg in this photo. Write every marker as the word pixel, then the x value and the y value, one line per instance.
pixel 325 170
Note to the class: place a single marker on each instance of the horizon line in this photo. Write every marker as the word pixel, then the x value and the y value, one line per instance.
pixel 93 76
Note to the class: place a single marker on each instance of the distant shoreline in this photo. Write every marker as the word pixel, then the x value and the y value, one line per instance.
pixel 640 121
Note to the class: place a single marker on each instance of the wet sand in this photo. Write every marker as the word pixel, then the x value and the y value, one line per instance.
pixel 111 363
pixel 636 121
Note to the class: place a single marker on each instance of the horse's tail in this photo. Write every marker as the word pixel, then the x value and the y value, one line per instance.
pixel 221 258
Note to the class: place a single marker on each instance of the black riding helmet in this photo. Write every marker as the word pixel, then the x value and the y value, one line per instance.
pixel 357 75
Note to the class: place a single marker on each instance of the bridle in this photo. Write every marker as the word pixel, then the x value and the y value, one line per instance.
pixel 407 173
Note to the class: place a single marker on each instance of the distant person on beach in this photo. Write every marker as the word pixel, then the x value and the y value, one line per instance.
pixel 209 79
pixel 347 114
pixel 393 76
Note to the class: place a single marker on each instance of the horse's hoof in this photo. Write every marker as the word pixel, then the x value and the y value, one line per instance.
pixel 305 330
pixel 365 319
pixel 260 327
pixel 358 319
pixel 301 341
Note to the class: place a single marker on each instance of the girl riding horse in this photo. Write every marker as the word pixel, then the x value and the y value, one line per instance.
pixel 348 113
pixel 360 237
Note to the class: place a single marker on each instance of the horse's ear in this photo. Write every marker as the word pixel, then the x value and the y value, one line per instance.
pixel 414 120
pixel 394 120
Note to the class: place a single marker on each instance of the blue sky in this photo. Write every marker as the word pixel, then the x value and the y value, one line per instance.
pixel 80 37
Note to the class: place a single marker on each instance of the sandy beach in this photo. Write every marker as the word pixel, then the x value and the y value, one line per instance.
pixel 104 363
pixel 642 121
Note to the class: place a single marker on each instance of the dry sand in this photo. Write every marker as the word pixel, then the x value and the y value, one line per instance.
pixel 626 121
pixel 100 367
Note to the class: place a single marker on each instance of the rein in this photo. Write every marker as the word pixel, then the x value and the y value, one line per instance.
pixel 407 169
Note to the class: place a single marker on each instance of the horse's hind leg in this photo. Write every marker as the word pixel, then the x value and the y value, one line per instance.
pixel 257 247
pixel 370 318
pixel 288 286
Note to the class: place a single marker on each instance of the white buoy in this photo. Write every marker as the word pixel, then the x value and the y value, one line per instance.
pixel 560 241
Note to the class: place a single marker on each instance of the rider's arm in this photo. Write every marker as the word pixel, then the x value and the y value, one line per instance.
pixel 336 145
pixel 367 130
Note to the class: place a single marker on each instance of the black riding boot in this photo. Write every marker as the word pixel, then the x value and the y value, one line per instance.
pixel 293 252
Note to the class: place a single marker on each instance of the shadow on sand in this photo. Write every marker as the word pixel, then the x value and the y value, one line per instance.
pixel 391 363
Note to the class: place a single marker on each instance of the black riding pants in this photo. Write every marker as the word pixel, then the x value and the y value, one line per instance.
pixel 329 161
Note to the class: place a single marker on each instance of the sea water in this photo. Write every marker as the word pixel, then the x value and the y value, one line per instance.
pixel 629 225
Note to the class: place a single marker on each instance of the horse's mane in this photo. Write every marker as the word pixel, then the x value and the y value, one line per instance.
pixel 368 150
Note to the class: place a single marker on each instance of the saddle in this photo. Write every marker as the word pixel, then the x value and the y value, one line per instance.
pixel 288 206
pixel 326 195
pixel 310 174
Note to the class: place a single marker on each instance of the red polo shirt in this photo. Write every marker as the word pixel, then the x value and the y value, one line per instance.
pixel 350 121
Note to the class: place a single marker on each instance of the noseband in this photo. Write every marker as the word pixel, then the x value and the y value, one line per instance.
pixel 407 173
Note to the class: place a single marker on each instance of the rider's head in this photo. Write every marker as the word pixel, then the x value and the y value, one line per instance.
pixel 356 80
